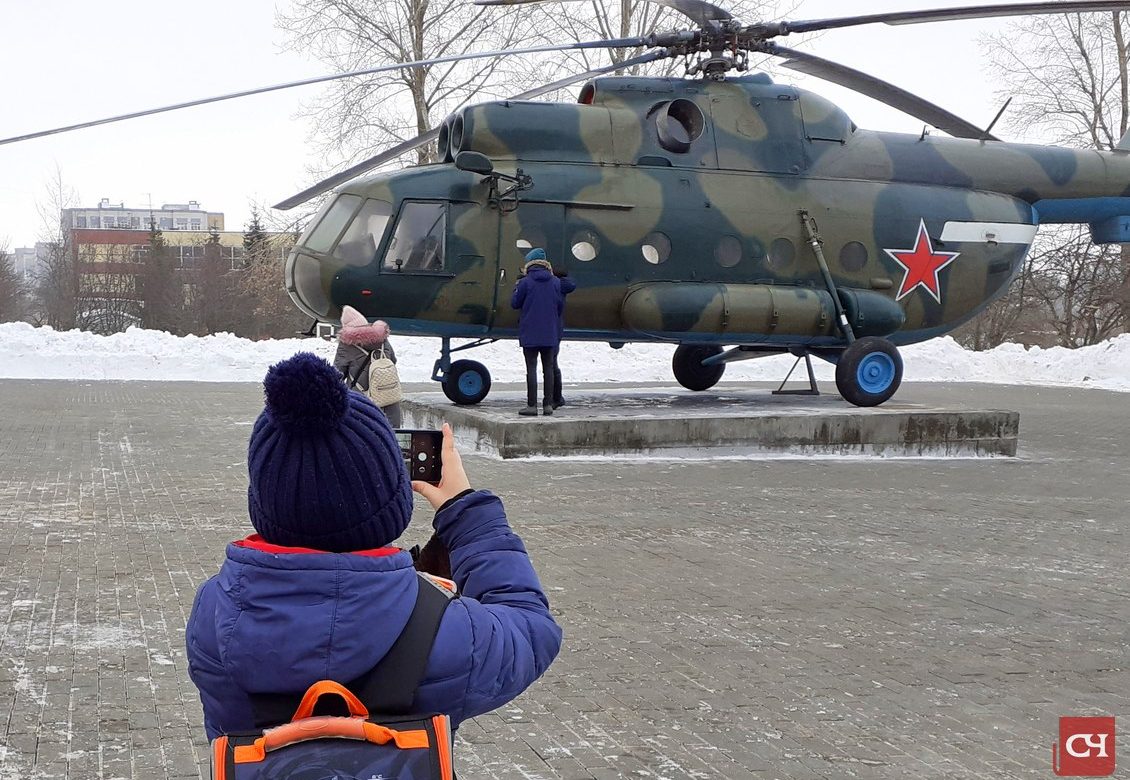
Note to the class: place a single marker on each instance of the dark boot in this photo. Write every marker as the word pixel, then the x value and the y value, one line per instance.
pixel 547 409
pixel 529 411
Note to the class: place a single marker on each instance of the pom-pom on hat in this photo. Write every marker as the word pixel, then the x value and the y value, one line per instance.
pixel 325 468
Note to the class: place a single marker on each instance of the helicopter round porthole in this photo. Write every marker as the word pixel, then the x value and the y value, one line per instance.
pixel 678 124
pixel 530 238
pixel 853 256
pixel 585 245
pixel 781 253
pixel 656 248
pixel 728 253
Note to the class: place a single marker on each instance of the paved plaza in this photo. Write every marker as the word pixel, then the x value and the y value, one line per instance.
pixel 757 618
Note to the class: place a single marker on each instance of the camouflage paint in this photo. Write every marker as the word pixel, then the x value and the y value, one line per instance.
pixel 721 171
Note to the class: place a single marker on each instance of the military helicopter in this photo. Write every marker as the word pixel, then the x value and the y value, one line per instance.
pixel 728 214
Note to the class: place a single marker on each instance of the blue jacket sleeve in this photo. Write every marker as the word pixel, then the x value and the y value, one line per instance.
pixel 518 297
pixel 204 666
pixel 567 285
pixel 514 637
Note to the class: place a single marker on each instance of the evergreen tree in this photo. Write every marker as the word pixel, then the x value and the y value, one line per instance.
pixel 270 312
pixel 12 290
pixel 162 296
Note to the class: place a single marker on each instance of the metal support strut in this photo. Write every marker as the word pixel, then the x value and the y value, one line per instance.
pixel 816 243
pixel 443 362
pixel 811 390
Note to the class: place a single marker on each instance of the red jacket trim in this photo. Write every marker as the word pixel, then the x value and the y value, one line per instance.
pixel 257 542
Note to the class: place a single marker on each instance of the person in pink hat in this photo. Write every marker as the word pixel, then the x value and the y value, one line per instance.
pixel 356 342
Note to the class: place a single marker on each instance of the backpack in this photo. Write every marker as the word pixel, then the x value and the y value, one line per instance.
pixel 384 381
pixel 363 744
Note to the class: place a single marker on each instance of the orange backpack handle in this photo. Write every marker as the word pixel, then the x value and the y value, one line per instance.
pixel 327 727
pixel 328 688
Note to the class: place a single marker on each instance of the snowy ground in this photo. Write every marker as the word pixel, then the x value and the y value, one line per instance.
pixel 43 353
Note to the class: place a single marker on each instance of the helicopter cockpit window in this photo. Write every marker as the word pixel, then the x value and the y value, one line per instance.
pixel 359 244
pixel 328 226
pixel 417 246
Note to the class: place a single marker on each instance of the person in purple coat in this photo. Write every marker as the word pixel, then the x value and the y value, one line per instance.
pixel 317 593
pixel 537 295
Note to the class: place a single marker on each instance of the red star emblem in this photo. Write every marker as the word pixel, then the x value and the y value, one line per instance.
pixel 921 265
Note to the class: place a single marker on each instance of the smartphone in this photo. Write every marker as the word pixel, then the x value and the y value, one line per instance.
pixel 421 453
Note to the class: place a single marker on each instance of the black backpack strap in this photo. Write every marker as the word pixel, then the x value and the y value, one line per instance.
pixel 388 688
pixel 355 378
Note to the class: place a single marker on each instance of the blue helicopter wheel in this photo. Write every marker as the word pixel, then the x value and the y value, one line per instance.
pixel 869 371
pixel 467 382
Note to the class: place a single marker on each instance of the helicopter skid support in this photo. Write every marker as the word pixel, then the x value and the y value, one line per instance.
pixel 812 389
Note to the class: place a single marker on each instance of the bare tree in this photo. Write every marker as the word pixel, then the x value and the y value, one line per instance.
pixel 1068 77
pixel 610 19
pixel 108 293
pixel 1077 284
pixel 55 297
pixel 354 117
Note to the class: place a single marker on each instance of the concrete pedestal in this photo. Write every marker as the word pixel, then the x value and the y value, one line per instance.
pixel 674 422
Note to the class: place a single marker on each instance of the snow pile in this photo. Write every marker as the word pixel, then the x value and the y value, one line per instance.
pixel 43 353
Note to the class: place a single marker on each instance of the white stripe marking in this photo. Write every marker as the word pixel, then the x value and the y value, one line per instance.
pixel 989 232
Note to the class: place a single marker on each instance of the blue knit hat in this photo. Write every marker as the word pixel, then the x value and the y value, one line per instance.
pixel 325 468
pixel 535 254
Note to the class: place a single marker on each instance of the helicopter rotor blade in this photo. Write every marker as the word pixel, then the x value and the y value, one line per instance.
pixel 605 44
pixel 880 90
pixel 771 29
pixel 392 153
pixel 698 11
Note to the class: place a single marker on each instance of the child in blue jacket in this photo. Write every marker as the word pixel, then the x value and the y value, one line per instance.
pixel 317 593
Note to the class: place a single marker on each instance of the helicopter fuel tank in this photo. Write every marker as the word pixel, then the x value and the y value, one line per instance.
pixel 773 310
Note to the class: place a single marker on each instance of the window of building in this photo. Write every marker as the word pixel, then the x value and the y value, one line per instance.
pixel 194 224
pixel 182 224
pixel 80 221
pixel 107 222
pixel 135 223
pixel 166 223
pixel 417 246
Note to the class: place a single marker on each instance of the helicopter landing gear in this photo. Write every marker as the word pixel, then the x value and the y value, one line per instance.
pixel 467 382
pixel 687 364
pixel 464 382
pixel 869 371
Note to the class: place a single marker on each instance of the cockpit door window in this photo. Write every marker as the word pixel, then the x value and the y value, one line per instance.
pixel 418 242
pixel 359 244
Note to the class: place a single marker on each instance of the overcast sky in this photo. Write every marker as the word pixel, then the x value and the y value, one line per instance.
pixel 65 61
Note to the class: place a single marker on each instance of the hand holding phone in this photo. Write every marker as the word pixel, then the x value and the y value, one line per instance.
pixel 421 452
pixel 453 480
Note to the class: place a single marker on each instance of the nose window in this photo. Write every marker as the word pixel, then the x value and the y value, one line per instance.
pixel 328 225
